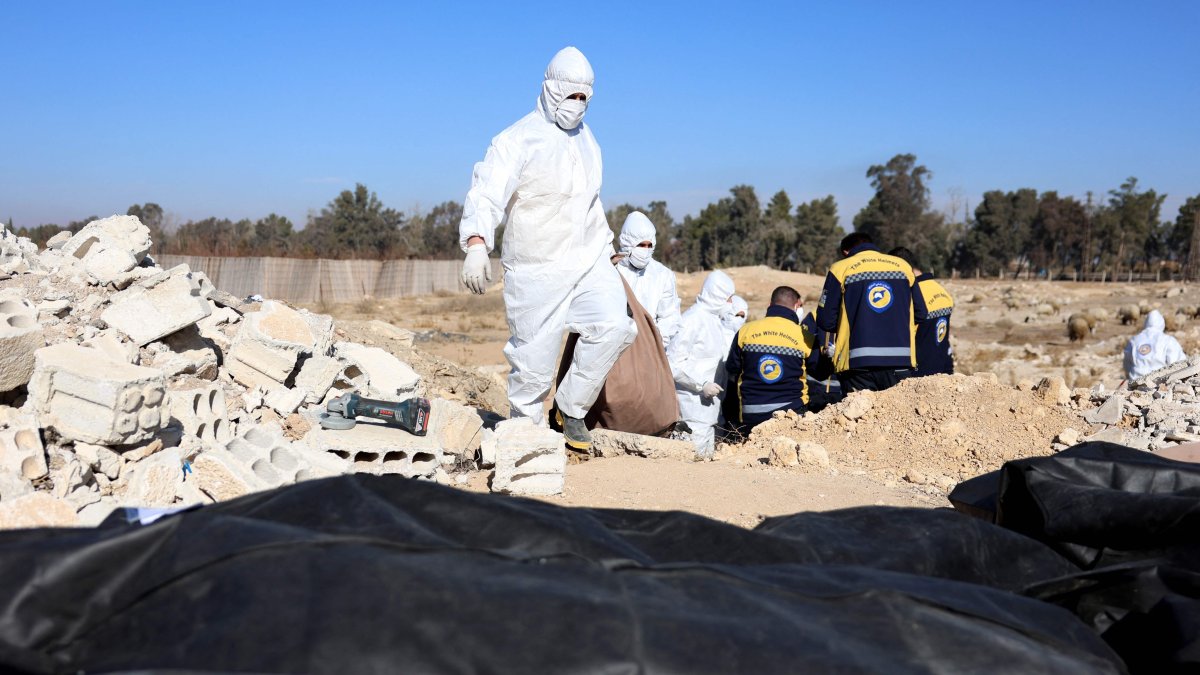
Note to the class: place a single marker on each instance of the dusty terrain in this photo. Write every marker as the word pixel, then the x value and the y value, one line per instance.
pixel 912 446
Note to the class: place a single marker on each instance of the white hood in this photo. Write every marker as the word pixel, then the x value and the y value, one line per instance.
pixel 714 295
pixel 637 228
pixel 1154 321
pixel 740 305
pixel 568 73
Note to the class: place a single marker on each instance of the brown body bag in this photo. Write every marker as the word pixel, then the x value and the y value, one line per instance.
pixel 639 392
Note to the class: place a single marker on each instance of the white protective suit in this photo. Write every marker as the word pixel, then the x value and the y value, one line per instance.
pixel 696 354
pixel 1151 349
pixel 653 285
pixel 731 321
pixel 543 181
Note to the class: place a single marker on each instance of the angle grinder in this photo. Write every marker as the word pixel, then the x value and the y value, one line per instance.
pixel 411 415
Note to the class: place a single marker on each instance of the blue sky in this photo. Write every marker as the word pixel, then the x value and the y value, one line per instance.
pixel 238 109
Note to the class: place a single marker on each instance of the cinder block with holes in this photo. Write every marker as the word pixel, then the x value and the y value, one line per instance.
pixel 202 413
pixel 21 450
pixel 275 461
pixel 374 447
pixel 20 336
pixel 86 396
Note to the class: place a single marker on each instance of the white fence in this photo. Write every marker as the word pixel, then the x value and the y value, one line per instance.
pixel 310 281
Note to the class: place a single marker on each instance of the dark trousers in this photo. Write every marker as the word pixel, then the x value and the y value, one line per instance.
pixel 873 379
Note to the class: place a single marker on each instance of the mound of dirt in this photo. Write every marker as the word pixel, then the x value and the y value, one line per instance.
pixel 931 431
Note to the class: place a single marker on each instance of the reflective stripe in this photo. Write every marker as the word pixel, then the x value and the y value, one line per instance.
pixel 880 351
pixel 764 407
pixel 832 384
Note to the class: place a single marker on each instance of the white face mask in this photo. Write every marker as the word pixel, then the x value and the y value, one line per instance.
pixel 639 257
pixel 733 322
pixel 569 113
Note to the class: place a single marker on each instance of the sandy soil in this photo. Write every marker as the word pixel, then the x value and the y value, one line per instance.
pixel 899 454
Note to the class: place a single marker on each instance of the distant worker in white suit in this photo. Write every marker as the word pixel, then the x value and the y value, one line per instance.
pixel 541 178
pixel 1151 349
pixel 696 355
pixel 652 283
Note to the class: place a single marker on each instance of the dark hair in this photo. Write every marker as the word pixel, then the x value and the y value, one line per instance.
pixel 905 255
pixel 854 239
pixel 786 296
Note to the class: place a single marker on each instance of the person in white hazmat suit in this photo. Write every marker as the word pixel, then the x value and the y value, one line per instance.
pixel 696 354
pixel 652 283
pixel 735 319
pixel 1151 349
pixel 541 177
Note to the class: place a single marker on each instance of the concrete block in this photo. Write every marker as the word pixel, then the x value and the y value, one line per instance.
pixel 94 514
pixel 59 240
pixel 187 353
pixel 530 460
pixel 155 481
pixel 316 376
pixel 285 401
pixel 38 509
pixel 123 233
pixel 105 461
pixel 458 429
pixel 269 343
pixel 202 413
pixel 86 396
pixel 12 485
pixel 157 307
pixel 1109 412
pixel 21 450
pixel 110 342
pixel 270 456
pixel 377 373
pixel 222 476
pixel 374 447
pixel 609 443
pixel 20 336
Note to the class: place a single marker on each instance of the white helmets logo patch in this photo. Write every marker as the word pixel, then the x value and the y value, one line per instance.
pixel 879 296
pixel 770 369
pixel 1144 349
pixel 943 327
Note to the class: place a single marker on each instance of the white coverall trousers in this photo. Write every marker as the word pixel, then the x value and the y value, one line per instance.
pixel 597 310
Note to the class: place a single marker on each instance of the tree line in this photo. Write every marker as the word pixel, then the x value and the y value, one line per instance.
pixel 1020 232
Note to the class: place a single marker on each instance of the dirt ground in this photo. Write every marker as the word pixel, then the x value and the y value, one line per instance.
pixel 901 454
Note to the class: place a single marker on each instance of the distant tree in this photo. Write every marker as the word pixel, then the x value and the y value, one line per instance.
pixel 1002 229
pixel 214 237
pixel 778 230
pixel 435 234
pixel 899 214
pixel 355 225
pixel 817 234
pixel 272 236
pixel 1059 233
pixel 1133 226
pixel 1183 229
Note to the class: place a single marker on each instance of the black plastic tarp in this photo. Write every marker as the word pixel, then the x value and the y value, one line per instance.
pixel 384 574
pixel 1129 521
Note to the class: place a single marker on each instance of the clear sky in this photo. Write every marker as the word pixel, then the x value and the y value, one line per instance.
pixel 238 109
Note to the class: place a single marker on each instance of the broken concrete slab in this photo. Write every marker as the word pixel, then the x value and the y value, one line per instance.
pixel 105 461
pixel 222 476
pixel 155 480
pixel 86 396
pixel 270 342
pixel 317 374
pixel 158 306
pixel 39 509
pixel 530 460
pixel 376 373
pixel 609 443
pixel 123 233
pixel 187 353
pixel 20 336
pixel 285 401
pixel 1109 412
pixel 457 428
pixel 110 342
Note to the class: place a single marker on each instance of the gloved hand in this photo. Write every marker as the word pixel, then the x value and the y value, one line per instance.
pixel 830 350
pixel 477 269
pixel 710 390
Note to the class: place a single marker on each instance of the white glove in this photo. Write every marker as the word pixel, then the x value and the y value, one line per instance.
pixel 830 350
pixel 477 269
pixel 710 390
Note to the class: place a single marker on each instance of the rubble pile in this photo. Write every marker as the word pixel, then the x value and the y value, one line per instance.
pixel 124 384
pixel 929 432
pixel 1157 411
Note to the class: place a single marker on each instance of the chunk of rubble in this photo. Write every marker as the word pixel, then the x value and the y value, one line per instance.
pixel 156 480
pixel 102 460
pixel 275 461
pixel 376 447
pixel 270 342
pixel 377 374
pixel 20 336
pixel 202 413
pixel 21 450
pixel 187 353
pixel 38 509
pixel 221 476
pixel 158 306
pixel 120 233
pixel 86 396
pixel 609 443
pixel 530 460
